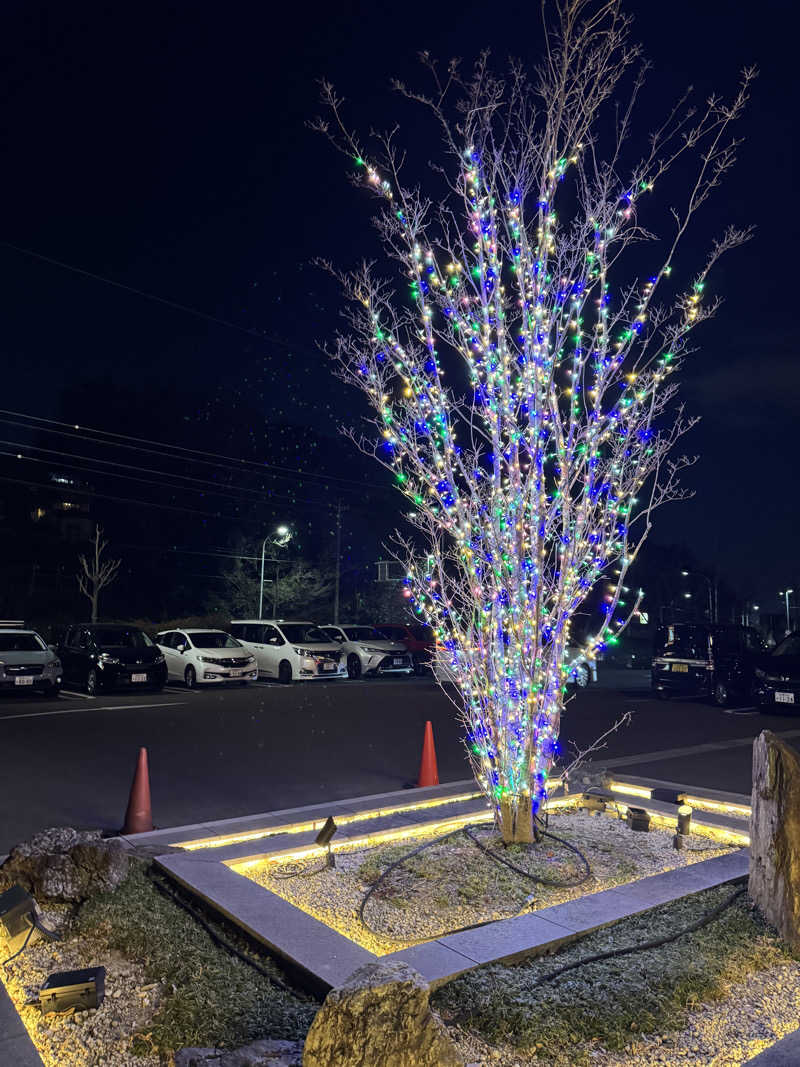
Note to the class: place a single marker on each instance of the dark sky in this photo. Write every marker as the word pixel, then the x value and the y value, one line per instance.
pixel 165 147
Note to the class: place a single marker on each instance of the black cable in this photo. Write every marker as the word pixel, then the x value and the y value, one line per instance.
pixel 492 855
pixel 656 942
pixel 216 937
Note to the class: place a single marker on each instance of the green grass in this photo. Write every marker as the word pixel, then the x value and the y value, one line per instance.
pixel 608 1003
pixel 212 999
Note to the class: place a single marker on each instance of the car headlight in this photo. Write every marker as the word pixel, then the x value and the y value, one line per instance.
pixel 159 659
pixel 250 659
pixel 302 652
pixel 54 665
pixel 206 659
pixel 375 651
pixel 105 660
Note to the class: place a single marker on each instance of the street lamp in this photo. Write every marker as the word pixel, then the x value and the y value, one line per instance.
pixel 785 593
pixel 707 580
pixel 281 537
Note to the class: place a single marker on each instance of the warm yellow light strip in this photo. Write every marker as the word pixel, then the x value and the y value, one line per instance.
pixel 721 806
pixel 630 790
pixel 702 829
pixel 378 838
pixel 317 824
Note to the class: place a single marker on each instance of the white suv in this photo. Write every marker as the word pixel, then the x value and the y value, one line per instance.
pixel 289 650
pixel 368 651
pixel 206 657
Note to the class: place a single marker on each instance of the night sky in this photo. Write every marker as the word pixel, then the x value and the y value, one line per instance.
pixel 165 147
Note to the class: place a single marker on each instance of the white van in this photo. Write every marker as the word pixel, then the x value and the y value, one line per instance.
pixel 290 651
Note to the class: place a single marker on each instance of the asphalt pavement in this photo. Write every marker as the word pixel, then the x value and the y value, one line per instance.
pixel 224 752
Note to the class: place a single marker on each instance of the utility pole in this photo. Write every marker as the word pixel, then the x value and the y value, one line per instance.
pixel 338 560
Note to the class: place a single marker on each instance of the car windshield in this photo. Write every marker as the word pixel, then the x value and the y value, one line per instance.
pixel 213 640
pixel 112 638
pixel 364 633
pixel 682 641
pixel 21 643
pixel 304 631
pixel 789 646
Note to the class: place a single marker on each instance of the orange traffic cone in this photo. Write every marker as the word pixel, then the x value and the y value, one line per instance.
pixel 139 816
pixel 428 771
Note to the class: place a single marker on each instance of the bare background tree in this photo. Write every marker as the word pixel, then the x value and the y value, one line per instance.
pixel 522 392
pixel 96 573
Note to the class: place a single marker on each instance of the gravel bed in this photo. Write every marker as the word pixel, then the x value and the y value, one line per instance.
pixel 97 1038
pixel 454 884
pixel 753 1015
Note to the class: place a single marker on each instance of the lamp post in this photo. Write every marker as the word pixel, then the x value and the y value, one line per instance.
pixel 281 537
pixel 707 580
pixel 785 593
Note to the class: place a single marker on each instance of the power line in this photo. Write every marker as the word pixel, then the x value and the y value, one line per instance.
pixel 216 488
pixel 233 463
pixel 258 335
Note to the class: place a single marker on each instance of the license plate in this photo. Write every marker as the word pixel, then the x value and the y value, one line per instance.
pixel 682 667
pixel 399 661
pixel 328 665
pixel 23 679
pixel 780 698
pixel 235 674
pixel 138 677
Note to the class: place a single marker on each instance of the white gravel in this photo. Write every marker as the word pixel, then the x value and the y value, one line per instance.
pixel 753 1015
pixel 454 884
pixel 97 1038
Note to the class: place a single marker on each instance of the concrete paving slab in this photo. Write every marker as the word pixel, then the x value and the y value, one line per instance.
pixel 437 963
pixel 324 956
pixel 508 939
pixel 784 1053
pixel 16 1048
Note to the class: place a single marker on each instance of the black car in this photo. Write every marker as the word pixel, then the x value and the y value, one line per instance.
pixel 694 659
pixel 777 677
pixel 105 656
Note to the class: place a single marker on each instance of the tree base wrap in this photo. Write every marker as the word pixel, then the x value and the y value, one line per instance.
pixel 516 819
pixel 380 1016
pixel 775 835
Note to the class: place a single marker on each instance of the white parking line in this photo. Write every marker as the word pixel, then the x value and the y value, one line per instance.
pixel 80 711
pixel 741 711
pixel 71 693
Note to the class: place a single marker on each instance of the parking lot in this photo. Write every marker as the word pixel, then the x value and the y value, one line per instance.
pixel 219 752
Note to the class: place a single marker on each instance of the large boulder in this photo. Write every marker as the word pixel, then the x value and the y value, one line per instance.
pixel 774 883
pixel 380 1016
pixel 65 864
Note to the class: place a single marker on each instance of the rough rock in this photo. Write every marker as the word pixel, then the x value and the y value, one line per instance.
pixel 65 864
pixel 380 1016
pixel 774 883
pixel 258 1054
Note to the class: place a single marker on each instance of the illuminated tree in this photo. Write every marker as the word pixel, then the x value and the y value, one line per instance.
pixel 96 573
pixel 522 387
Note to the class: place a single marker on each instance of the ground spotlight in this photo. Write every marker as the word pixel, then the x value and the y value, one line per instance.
pixel 324 838
pixel 80 990
pixel 20 924
pixel 638 819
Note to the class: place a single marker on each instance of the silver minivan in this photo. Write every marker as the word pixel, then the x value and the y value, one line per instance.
pixel 290 650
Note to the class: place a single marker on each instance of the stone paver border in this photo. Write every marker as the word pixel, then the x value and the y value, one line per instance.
pixel 322 958
pixel 16 1046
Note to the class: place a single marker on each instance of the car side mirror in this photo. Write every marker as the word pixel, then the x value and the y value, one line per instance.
pixel 182 648
pixel 53 648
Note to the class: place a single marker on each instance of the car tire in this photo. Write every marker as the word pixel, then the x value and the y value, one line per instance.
pixel 353 667
pixel 190 677
pixel 581 676
pixel 662 694
pixel 720 695
pixel 92 683
pixel 285 672
pixel 419 667
pixel 54 691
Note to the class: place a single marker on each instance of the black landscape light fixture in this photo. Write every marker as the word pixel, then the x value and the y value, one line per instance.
pixel 325 836
pixel 20 924
pixel 638 819
pixel 80 990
